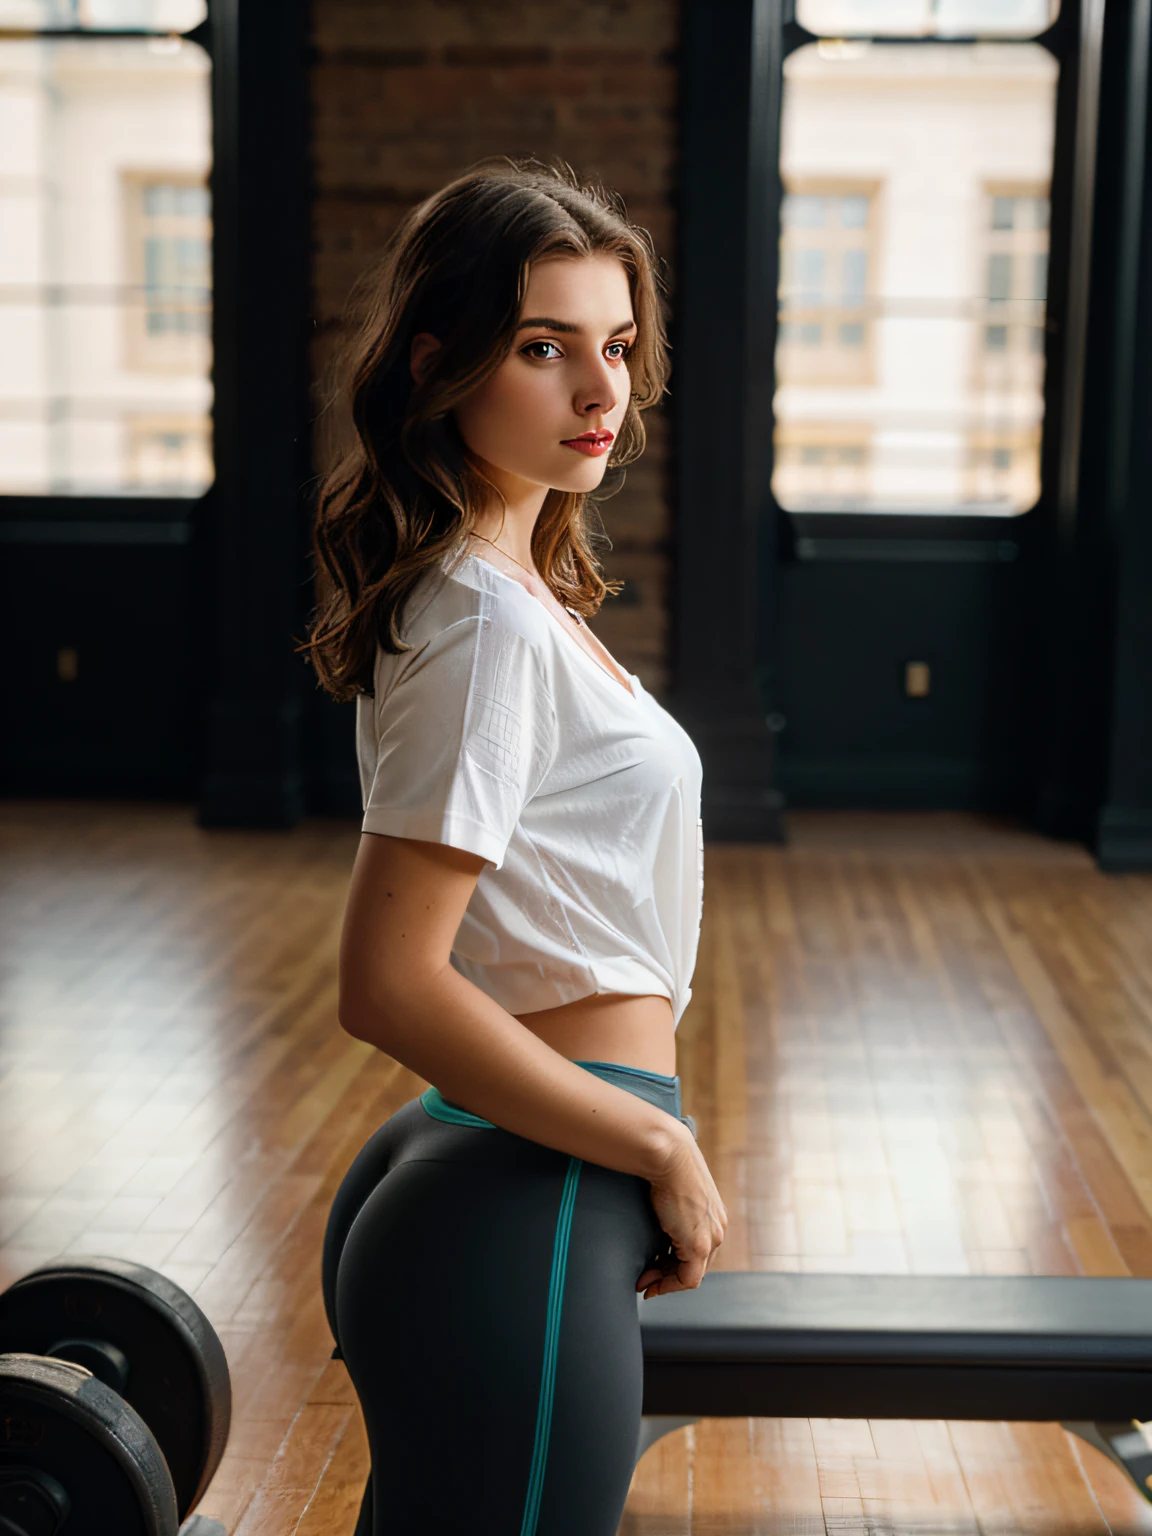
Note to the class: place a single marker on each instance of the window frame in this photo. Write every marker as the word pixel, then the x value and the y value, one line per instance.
pixel 732 542
pixel 1073 40
pixel 65 518
pixel 839 187
pixel 175 352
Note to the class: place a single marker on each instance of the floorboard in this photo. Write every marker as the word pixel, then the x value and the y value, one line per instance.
pixel 918 1044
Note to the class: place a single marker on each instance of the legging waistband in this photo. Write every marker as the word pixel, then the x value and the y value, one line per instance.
pixel 656 1089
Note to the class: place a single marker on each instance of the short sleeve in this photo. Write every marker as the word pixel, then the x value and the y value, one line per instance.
pixel 463 738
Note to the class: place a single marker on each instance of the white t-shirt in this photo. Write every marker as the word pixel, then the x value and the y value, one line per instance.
pixel 498 733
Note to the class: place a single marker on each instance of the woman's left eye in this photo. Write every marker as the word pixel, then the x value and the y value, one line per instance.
pixel 545 350
pixel 617 351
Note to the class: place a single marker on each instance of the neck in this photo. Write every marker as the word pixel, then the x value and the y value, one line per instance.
pixel 510 523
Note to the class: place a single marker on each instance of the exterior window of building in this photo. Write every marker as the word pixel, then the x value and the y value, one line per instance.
pixel 1008 349
pixel 914 242
pixel 1003 470
pixel 827 258
pixel 167 222
pixel 821 465
pixel 105 304
pixel 1016 278
pixel 166 452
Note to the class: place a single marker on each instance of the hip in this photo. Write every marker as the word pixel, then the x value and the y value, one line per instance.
pixel 439 1182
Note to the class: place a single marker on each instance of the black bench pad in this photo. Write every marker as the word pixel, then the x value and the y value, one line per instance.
pixel 896 1346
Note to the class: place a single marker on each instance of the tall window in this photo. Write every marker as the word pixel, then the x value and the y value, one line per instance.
pixel 1008 349
pixel 167 220
pixel 1015 281
pixel 827 257
pixel 105 288
pixel 913 254
pixel 825 465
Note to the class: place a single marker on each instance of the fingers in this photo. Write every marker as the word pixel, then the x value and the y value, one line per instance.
pixel 664 1285
pixel 690 1209
pixel 685 1275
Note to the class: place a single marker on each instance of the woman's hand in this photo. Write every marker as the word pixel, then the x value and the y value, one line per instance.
pixel 689 1208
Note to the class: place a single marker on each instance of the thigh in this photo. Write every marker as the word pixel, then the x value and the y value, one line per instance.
pixel 599 1378
pixel 488 1318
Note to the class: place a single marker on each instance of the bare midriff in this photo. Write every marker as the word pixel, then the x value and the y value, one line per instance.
pixel 633 1031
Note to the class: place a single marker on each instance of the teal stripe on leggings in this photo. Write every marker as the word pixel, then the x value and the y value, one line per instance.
pixel 551 1350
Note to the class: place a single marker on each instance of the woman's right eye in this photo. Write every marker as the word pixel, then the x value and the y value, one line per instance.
pixel 544 350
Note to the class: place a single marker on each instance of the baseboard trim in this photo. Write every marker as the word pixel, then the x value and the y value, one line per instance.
pixel 253 800
pixel 1124 840
pixel 735 814
pixel 898 784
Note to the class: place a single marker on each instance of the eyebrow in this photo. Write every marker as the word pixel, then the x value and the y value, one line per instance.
pixel 546 323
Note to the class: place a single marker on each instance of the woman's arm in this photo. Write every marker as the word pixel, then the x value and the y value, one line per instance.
pixel 399 992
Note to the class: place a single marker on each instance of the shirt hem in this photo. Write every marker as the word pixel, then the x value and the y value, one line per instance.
pixel 449 831
pixel 534 993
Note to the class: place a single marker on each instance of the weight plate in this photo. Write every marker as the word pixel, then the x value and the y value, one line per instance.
pixel 150 1342
pixel 75 1458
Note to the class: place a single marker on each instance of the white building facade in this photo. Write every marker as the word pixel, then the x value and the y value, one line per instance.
pixel 914 245
pixel 105 243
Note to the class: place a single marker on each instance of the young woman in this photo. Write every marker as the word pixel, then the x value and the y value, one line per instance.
pixel 522 920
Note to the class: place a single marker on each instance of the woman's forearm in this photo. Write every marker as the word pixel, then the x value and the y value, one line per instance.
pixel 480 1057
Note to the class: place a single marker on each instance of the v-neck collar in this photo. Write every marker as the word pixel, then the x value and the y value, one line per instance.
pixel 627 688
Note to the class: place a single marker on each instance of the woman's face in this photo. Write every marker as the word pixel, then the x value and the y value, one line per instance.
pixel 549 414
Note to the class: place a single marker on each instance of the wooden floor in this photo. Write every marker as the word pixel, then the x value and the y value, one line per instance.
pixel 918 1044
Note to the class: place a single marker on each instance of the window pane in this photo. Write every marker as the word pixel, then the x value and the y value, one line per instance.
pixel 999 277
pixel 809 277
pixel 927 18
pixel 803 212
pixel 103 15
pixel 915 335
pixel 855 278
pixel 105 268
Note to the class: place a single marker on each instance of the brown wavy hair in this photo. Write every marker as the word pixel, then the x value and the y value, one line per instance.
pixel 405 494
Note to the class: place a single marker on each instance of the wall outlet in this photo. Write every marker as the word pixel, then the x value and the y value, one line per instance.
pixel 917 679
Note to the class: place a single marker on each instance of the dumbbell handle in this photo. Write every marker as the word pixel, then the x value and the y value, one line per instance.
pixel 104 1360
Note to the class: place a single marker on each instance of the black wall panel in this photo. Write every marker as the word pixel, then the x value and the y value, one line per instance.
pixel 130 723
pixel 851 735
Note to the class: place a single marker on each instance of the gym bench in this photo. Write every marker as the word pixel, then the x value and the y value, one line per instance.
pixel 906 1347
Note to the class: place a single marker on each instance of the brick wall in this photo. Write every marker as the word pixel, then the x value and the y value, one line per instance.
pixel 407 93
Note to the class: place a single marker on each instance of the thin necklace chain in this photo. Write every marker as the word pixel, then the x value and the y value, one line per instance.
pixel 527 571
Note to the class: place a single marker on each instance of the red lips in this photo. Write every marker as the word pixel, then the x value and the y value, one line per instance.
pixel 591 443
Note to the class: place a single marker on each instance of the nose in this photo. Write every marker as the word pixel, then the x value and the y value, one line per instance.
pixel 596 394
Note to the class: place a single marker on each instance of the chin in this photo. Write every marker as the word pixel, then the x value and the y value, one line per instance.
pixel 581 478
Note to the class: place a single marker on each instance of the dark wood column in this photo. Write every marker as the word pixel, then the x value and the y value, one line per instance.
pixel 1124 830
pixel 256 527
pixel 722 392
pixel 1095 634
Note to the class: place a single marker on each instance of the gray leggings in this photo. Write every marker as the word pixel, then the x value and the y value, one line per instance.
pixel 481 1289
